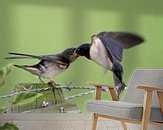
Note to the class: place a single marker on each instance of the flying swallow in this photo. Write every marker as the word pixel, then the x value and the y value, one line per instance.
pixel 106 49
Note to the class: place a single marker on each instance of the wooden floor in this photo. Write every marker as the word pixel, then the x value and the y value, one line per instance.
pixel 53 121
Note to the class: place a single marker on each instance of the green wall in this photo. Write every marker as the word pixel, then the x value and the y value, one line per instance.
pixel 49 26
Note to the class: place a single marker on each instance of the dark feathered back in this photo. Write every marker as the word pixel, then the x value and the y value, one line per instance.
pixel 124 39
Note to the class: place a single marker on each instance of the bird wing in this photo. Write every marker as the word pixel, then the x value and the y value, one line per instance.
pixel 57 58
pixel 124 39
pixel 112 47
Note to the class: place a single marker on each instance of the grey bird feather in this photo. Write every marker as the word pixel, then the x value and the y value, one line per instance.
pixel 49 65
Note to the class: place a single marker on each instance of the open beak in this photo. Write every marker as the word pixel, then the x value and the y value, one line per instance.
pixel 75 52
pixel 74 56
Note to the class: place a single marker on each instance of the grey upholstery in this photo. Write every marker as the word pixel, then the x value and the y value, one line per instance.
pixel 125 110
pixel 116 109
pixel 132 105
pixel 146 77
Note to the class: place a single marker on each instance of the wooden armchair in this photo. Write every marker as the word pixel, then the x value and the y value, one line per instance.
pixel 138 107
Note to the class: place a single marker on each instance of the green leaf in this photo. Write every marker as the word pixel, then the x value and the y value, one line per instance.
pixel 8 126
pixel 4 72
pixel 24 98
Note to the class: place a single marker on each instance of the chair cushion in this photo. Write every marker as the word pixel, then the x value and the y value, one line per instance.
pixel 122 109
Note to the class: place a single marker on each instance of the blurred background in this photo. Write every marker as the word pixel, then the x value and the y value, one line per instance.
pixel 50 26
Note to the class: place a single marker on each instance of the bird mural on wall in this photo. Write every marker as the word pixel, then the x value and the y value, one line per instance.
pixel 49 65
pixel 106 49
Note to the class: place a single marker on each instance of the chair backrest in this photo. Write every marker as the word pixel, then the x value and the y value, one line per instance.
pixel 147 77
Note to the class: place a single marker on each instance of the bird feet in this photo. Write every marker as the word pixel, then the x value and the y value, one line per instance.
pixel 41 80
pixel 52 83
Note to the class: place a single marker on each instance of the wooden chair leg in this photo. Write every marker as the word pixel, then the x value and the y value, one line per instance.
pixel 160 98
pixel 113 94
pixel 124 125
pixel 146 110
pixel 94 123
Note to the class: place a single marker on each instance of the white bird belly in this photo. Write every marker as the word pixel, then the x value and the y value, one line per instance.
pixel 98 54
pixel 51 71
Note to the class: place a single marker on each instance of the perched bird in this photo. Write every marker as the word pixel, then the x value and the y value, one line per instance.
pixel 106 49
pixel 49 65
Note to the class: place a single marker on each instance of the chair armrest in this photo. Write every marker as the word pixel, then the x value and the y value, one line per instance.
pixel 150 88
pixel 159 93
pixel 101 85
pixel 98 91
